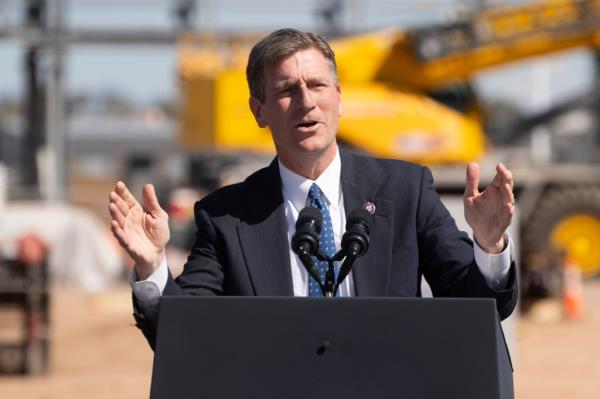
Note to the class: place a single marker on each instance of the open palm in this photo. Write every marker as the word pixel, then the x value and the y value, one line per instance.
pixel 142 231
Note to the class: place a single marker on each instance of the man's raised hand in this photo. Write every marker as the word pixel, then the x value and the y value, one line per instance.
pixel 489 213
pixel 142 231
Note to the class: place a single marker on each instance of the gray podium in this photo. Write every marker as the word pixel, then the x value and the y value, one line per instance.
pixel 232 347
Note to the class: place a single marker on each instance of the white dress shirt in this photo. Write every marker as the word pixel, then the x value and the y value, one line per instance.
pixel 295 192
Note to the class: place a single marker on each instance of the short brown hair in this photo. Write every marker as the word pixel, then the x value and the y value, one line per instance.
pixel 277 46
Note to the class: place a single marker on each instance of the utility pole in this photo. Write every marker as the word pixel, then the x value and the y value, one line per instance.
pixel 54 184
pixel 33 138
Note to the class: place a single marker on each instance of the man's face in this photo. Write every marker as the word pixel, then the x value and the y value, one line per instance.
pixel 302 107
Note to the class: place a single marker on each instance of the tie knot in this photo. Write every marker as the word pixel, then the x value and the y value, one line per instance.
pixel 314 197
pixel 315 192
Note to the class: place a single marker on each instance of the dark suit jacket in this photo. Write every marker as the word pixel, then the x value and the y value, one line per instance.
pixel 241 245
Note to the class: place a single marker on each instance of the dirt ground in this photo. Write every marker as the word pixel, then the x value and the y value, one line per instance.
pixel 97 353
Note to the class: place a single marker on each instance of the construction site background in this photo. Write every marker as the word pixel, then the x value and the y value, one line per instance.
pixel 93 92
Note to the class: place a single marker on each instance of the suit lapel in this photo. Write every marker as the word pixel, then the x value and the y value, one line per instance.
pixel 263 236
pixel 361 181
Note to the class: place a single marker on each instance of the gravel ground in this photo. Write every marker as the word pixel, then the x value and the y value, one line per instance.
pixel 97 353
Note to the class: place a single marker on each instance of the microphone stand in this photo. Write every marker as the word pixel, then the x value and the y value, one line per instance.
pixel 329 292
pixel 344 270
pixel 306 260
pixel 327 287
pixel 330 288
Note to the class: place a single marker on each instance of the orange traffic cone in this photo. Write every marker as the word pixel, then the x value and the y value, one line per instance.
pixel 572 290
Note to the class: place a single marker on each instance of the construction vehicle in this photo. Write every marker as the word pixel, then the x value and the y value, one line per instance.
pixel 407 95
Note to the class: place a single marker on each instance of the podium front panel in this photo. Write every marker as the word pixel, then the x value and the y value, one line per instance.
pixel 233 347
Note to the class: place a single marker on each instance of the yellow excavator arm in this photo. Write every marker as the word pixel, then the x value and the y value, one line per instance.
pixel 385 77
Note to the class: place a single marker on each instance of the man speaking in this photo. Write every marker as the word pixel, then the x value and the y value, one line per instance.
pixel 242 244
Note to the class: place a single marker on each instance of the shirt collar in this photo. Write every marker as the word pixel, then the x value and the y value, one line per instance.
pixel 295 187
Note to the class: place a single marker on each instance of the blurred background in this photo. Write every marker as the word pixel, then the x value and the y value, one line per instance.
pixel 95 91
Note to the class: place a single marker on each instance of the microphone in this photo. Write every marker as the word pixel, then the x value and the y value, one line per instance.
pixel 305 241
pixel 355 241
pixel 308 228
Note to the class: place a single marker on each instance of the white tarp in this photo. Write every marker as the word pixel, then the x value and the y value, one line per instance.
pixel 82 253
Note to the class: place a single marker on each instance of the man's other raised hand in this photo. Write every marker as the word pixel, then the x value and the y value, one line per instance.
pixel 490 212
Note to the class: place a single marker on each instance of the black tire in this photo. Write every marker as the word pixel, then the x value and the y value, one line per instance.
pixel 557 205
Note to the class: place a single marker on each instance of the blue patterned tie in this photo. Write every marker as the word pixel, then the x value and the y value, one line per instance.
pixel 326 240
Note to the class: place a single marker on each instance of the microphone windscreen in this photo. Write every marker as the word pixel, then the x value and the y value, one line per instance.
pixel 308 215
pixel 361 216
